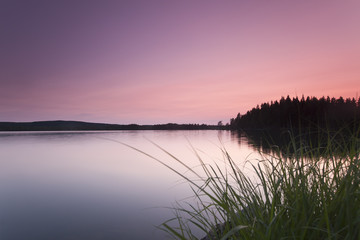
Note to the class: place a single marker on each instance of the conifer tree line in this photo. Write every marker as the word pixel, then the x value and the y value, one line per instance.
pixel 296 113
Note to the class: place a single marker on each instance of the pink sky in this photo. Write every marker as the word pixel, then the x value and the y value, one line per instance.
pixel 186 61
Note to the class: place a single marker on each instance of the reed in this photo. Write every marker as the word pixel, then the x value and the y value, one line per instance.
pixel 299 194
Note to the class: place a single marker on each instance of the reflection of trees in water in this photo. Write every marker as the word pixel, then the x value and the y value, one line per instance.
pixel 242 138
pixel 262 141
pixel 312 143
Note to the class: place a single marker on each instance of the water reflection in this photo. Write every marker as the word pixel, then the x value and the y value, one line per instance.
pixel 315 143
pixel 262 141
pixel 80 185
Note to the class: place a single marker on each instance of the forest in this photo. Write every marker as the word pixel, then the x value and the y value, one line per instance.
pixel 88 126
pixel 304 113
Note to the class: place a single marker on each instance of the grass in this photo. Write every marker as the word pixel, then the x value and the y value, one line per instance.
pixel 296 195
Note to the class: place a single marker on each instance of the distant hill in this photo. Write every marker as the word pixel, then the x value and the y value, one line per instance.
pixel 330 113
pixel 83 126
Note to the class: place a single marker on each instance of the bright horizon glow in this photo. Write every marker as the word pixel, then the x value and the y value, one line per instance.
pixel 150 62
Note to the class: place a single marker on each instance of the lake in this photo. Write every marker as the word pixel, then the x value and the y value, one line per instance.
pixel 87 185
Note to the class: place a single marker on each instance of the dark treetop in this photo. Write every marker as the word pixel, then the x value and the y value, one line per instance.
pixel 330 113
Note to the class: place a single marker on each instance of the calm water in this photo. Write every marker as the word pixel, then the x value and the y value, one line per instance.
pixel 84 185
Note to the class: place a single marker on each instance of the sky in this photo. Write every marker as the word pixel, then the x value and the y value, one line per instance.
pixel 151 61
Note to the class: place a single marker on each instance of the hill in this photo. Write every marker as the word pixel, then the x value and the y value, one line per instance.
pixel 83 126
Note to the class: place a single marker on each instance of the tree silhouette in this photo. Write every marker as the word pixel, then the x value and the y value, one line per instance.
pixel 304 113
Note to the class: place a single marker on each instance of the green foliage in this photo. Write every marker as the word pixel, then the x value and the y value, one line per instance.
pixel 294 196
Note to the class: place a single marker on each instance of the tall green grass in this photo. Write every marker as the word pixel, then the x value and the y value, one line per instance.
pixel 301 194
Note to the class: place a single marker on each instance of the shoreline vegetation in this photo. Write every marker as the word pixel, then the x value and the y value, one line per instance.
pixel 306 184
pixel 298 115
pixel 301 114
pixel 60 125
pixel 306 188
pixel 306 192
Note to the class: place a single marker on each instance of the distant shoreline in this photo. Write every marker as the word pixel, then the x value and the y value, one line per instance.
pixel 60 125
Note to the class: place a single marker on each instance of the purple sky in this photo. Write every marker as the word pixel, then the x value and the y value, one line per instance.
pixel 182 61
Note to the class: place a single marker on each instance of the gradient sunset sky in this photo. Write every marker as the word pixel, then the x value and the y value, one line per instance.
pixel 183 61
